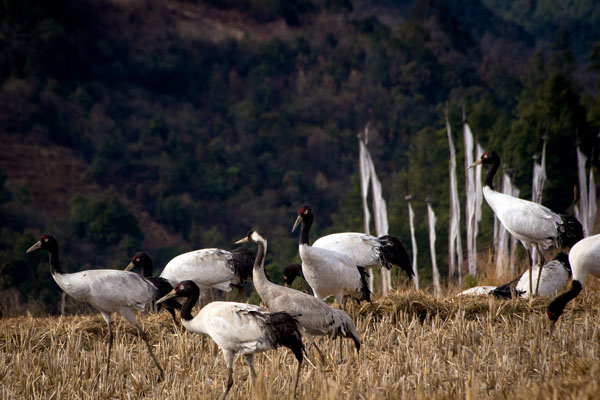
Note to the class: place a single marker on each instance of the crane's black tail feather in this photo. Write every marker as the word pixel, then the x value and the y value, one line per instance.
pixel 508 290
pixel 282 330
pixel 392 253
pixel 570 231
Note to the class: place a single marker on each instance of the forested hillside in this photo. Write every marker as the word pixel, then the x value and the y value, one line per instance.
pixel 169 126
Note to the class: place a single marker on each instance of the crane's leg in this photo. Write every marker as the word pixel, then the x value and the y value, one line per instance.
pixel 297 377
pixel 542 262
pixel 250 361
pixel 110 340
pixel 530 273
pixel 311 339
pixel 321 356
pixel 228 355
pixel 130 316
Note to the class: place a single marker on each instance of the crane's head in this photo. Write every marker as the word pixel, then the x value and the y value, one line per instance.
pixel 305 214
pixel 46 242
pixel 290 273
pixel 182 289
pixel 489 157
pixel 140 259
pixel 253 237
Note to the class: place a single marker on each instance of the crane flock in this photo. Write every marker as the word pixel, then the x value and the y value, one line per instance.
pixel 335 265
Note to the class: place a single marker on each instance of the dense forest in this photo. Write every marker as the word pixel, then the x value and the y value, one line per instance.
pixel 170 126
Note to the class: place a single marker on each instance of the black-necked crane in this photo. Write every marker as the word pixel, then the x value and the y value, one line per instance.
pixel 211 268
pixel 107 290
pixel 290 273
pixel 555 276
pixel 585 259
pixel 368 251
pixel 239 328
pixel 328 272
pixel 314 316
pixel 531 223
pixel 163 286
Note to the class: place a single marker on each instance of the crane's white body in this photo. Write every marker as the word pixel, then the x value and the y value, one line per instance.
pixel 106 290
pixel 477 291
pixel 555 276
pixel 330 273
pixel 361 248
pixel 235 327
pixel 109 290
pixel 208 268
pixel 584 258
pixel 529 222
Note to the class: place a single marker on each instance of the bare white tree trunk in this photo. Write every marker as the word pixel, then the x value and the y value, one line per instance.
pixel 437 290
pixel 454 240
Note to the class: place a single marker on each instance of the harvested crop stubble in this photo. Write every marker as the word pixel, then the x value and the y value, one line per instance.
pixel 413 346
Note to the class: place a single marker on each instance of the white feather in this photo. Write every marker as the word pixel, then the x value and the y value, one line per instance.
pixel 208 268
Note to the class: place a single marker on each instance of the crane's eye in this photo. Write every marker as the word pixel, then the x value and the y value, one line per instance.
pixel 46 240
pixel 137 259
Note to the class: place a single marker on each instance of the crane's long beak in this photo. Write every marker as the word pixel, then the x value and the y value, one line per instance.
pixel 242 240
pixel 476 163
pixel 166 297
pixel 37 245
pixel 298 221
pixel 129 267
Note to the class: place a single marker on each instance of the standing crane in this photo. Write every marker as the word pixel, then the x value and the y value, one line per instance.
pixel 367 250
pixel 314 316
pixel 585 259
pixel 107 290
pixel 329 272
pixel 239 328
pixel 211 268
pixel 531 223
pixel 163 286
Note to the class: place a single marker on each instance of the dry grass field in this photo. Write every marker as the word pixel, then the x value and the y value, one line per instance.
pixel 413 346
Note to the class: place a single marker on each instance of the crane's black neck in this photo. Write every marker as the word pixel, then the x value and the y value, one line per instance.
pixel 556 308
pixel 307 221
pixel 489 178
pixel 192 299
pixel 148 268
pixel 54 263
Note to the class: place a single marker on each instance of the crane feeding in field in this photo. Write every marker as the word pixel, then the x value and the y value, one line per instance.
pixel 163 286
pixel 329 272
pixel 211 268
pixel 585 259
pixel 239 328
pixel 367 250
pixel 554 277
pixel 314 316
pixel 107 290
pixel 290 273
pixel 531 223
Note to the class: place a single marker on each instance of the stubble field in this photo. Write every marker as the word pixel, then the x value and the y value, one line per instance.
pixel 413 346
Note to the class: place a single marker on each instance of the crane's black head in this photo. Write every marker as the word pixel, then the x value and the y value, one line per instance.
pixel 290 273
pixel 46 242
pixel 141 260
pixel 489 157
pixel 186 289
pixel 305 215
